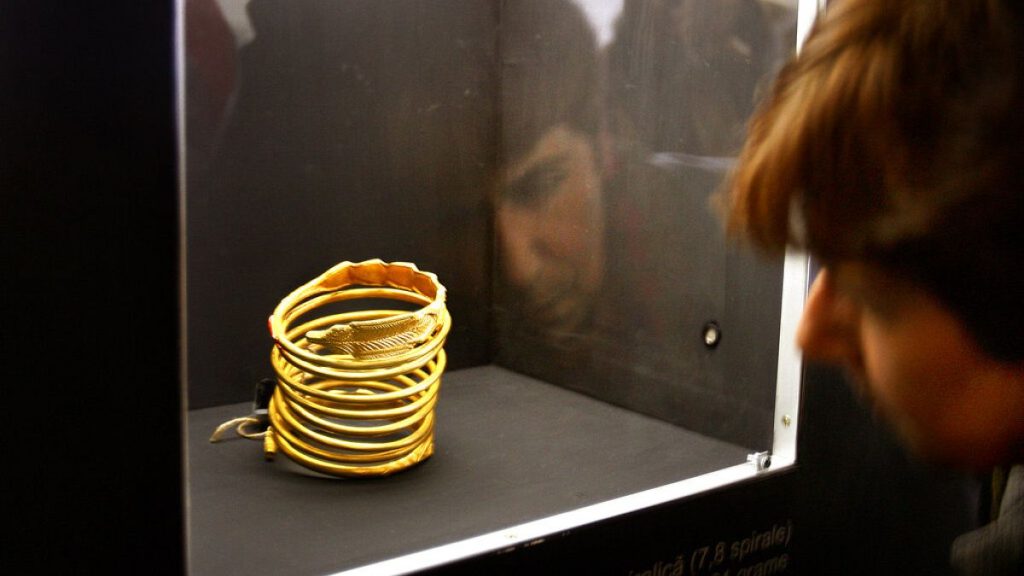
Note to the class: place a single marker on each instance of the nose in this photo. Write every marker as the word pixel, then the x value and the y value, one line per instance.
pixel 829 326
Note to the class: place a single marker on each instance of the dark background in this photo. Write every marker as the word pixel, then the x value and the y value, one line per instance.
pixel 91 346
pixel 93 477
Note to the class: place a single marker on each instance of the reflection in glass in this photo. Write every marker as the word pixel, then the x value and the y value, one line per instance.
pixel 549 207
pixel 616 133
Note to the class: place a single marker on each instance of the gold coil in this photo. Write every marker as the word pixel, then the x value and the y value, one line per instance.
pixel 356 390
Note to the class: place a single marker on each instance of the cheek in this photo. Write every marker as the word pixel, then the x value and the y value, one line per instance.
pixel 516 231
pixel 912 382
pixel 575 214
pixel 889 368
pixel 571 229
pixel 920 382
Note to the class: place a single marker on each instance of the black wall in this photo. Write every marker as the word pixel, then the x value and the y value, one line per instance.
pixel 88 200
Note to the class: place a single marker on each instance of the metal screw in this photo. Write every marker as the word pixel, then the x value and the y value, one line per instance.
pixel 712 334
pixel 786 420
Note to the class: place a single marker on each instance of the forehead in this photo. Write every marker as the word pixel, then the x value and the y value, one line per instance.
pixel 559 142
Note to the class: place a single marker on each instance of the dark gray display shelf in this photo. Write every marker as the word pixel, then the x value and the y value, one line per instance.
pixel 509 449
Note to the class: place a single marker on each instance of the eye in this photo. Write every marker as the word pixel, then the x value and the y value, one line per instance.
pixel 537 184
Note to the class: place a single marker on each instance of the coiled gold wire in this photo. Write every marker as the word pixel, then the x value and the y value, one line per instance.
pixel 356 390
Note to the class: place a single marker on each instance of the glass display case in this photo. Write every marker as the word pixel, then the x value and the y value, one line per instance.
pixel 555 163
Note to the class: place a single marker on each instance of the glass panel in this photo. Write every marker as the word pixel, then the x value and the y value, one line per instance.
pixel 553 162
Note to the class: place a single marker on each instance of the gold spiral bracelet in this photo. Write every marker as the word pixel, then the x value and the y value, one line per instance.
pixel 356 390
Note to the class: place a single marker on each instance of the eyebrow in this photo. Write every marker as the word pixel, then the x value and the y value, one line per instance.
pixel 538 183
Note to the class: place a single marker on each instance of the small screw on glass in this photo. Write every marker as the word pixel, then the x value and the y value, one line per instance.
pixel 712 334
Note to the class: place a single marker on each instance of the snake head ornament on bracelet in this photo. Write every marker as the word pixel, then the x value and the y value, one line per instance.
pixel 376 338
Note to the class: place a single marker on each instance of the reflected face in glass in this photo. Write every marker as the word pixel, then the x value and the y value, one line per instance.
pixel 550 225
pixel 914 361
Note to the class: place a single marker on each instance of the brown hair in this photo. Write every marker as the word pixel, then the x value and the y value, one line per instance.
pixel 895 139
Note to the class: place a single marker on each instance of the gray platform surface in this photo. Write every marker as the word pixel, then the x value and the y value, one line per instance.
pixel 509 449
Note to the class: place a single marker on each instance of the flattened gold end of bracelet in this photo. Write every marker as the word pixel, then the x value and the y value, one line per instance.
pixel 269 445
